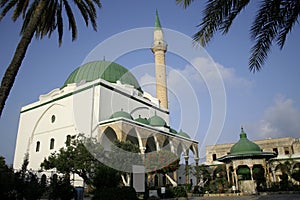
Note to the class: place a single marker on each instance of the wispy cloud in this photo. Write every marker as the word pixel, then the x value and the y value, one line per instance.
pixel 203 71
pixel 211 71
pixel 281 119
pixel 188 91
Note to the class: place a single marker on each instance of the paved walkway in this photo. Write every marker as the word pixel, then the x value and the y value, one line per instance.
pixel 253 197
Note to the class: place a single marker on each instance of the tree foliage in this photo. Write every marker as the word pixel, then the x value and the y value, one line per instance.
pixel 274 20
pixel 123 155
pixel 41 18
pixel 84 157
pixel 76 158
pixel 203 174
pixel 161 162
pixel 22 184
pixel 7 180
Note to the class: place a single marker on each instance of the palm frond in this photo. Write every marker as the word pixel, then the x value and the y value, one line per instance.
pixel 184 3
pixel 92 13
pixel 28 15
pixel 20 8
pixel 3 2
pixel 25 6
pixel 289 13
pixel 263 31
pixel 92 6
pixel 218 16
pixel 210 22
pixel 8 7
pixel 235 8
pixel 59 24
pixel 81 6
pixel 98 3
pixel 51 17
pixel 72 22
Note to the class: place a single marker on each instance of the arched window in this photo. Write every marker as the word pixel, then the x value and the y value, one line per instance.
pixel 214 157
pixel 155 180
pixel 37 147
pixel 68 140
pixel 52 143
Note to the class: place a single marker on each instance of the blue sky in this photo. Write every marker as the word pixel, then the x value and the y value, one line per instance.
pixel 266 104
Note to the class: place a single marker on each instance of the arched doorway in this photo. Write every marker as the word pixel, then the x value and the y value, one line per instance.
pixel 243 172
pixel 259 176
pixel 132 137
pixel 108 137
pixel 150 145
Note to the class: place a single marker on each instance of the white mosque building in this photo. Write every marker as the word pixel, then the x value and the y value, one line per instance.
pixel 98 99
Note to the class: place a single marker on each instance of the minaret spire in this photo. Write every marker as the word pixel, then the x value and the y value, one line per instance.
pixel 157 22
pixel 159 49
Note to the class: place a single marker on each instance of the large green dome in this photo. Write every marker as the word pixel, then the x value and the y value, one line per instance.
pixel 109 71
pixel 244 146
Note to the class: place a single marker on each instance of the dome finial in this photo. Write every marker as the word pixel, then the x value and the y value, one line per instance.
pixel 243 134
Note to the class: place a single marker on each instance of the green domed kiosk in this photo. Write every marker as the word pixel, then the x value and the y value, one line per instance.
pixel 246 164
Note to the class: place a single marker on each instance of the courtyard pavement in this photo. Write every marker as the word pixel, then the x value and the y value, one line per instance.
pixel 253 197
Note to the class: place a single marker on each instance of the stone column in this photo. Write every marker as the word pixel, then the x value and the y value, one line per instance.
pixel 267 174
pixel 197 164
pixel 186 158
pixel 232 177
pixel 227 171
pixel 142 150
pixel 175 176
pixel 251 171
pixel 236 179
pixel 273 174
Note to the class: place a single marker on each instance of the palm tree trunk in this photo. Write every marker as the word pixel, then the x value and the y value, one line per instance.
pixel 15 64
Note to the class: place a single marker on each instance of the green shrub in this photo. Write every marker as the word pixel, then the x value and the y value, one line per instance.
pixel 179 191
pixel 116 193
pixel 196 190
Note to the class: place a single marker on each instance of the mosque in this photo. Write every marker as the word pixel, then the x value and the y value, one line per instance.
pixel 102 99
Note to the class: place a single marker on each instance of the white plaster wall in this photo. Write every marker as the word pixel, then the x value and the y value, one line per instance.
pixel 36 125
pixel 112 101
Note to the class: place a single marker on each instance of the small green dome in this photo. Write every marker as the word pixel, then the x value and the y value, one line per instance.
pixel 109 71
pixel 173 131
pixel 142 120
pixel 183 134
pixel 244 146
pixel 157 121
pixel 121 114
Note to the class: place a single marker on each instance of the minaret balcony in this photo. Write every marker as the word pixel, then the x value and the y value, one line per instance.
pixel 159 45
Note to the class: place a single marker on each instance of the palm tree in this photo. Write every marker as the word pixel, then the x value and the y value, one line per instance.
pixel 41 17
pixel 273 21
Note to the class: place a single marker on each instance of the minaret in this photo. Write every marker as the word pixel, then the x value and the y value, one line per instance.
pixel 159 49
